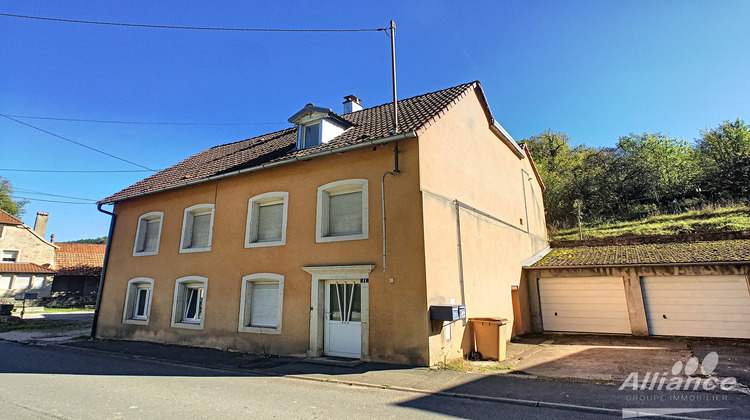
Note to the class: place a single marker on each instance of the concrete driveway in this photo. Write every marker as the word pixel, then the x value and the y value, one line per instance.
pixel 612 359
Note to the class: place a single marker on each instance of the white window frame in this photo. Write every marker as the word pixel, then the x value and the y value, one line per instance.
pixel 181 287
pixel 246 307
pixel 253 206
pixel 131 299
pixel 17 251
pixel 148 217
pixel 190 212
pixel 301 141
pixel 322 214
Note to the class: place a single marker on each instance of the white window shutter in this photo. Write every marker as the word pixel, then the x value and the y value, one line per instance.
pixel 270 218
pixel 265 305
pixel 5 281
pixel 151 236
pixel 345 213
pixel 201 228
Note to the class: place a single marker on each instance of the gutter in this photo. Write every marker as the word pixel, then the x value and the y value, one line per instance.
pixel 397 137
pixel 690 264
pixel 104 268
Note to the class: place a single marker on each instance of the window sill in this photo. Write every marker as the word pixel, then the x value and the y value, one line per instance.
pixel 145 253
pixel 263 244
pixel 188 325
pixel 135 321
pixel 260 330
pixel 189 250
pixel 340 238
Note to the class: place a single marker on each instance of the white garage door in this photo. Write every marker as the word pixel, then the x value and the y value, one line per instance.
pixel 698 306
pixel 584 304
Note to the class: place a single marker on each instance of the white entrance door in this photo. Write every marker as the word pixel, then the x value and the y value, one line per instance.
pixel 343 318
pixel 699 306
pixel 584 304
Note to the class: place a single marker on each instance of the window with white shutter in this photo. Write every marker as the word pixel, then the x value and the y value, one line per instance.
pixel 266 220
pixel 21 282
pixel 148 234
pixel 197 228
pixel 342 211
pixel 261 303
pixel 5 281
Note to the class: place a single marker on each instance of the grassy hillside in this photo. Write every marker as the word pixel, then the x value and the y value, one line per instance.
pixel 712 220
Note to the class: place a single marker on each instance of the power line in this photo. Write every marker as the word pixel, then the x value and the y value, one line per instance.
pixel 22 190
pixel 199 28
pixel 72 171
pixel 52 201
pixel 138 122
pixel 75 142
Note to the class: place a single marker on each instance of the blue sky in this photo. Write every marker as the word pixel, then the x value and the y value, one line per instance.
pixel 596 70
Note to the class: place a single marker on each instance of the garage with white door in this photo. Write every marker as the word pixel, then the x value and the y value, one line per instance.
pixel 698 306
pixel 693 285
pixel 584 304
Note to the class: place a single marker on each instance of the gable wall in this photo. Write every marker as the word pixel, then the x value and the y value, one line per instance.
pixel 32 249
pixel 461 159
pixel 397 310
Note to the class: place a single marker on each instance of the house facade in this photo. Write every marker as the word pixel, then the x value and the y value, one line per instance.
pixel 333 237
pixel 27 258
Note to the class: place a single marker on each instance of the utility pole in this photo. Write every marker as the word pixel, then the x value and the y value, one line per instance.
pixel 392 35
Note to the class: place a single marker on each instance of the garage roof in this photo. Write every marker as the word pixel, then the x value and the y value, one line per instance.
pixel 704 252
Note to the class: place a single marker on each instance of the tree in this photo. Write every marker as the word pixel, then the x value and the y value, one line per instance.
pixel 102 240
pixel 724 156
pixel 655 168
pixel 555 161
pixel 7 203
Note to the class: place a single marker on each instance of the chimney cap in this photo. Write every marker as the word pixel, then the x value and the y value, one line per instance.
pixel 351 98
pixel 39 213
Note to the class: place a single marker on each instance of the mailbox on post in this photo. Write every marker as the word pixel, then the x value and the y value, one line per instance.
pixel 447 312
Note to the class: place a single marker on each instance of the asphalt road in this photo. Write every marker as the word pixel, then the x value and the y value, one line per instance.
pixel 63 383
pixel 73 383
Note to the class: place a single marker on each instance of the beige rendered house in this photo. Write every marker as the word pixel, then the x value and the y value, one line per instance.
pixel 335 236
pixel 27 257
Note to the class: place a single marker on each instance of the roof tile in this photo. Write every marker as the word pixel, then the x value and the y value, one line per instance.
pixel 24 268
pixel 7 219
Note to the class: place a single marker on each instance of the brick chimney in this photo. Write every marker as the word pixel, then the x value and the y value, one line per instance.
pixel 351 104
pixel 40 225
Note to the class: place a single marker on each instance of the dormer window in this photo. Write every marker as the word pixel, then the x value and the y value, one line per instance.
pixel 310 135
pixel 316 126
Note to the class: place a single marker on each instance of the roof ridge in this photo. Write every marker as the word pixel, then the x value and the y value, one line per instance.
pixel 14 218
pixel 411 97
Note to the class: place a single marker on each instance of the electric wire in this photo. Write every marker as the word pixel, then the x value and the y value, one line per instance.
pixel 74 171
pixel 51 201
pixel 199 28
pixel 139 122
pixel 25 191
pixel 77 143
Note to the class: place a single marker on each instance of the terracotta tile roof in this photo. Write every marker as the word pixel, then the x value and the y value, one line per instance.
pixel 7 219
pixel 24 268
pixel 79 259
pixel 726 251
pixel 415 114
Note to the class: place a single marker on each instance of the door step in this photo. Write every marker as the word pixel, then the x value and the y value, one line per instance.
pixel 334 361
